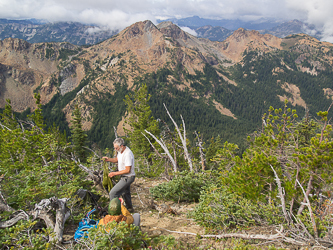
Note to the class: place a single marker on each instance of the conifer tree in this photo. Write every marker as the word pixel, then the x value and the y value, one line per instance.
pixel 78 135
pixel 214 146
pixel 140 119
pixel 37 116
pixel 7 117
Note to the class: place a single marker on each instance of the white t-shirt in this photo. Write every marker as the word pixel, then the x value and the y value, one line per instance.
pixel 126 158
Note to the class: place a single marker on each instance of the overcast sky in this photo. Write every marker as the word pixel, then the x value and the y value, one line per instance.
pixel 118 14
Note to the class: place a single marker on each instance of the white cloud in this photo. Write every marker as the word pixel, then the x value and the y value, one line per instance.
pixel 119 14
pixel 318 13
pixel 189 30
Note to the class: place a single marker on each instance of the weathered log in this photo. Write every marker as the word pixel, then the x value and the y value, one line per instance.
pixel 14 220
pixel 62 214
pixel 42 211
pixel 277 236
pixel 46 216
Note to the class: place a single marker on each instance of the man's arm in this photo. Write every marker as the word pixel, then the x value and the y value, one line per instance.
pixel 113 160
pixel 125 171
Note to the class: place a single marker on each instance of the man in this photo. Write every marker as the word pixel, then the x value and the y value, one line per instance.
pixel 125 160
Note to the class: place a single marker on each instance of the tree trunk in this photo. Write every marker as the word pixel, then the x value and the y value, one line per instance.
pixel 62 214
pixel 182 138
pixel 162 144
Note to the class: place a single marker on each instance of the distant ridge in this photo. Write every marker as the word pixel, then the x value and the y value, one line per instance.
pixel 219 30
pixel 36 31
pixel 196 22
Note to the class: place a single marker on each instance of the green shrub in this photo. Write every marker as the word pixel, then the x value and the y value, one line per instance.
pixel 219 209
pixel 185 187
pixel 120 236
pixel 143 168
pixel 23 236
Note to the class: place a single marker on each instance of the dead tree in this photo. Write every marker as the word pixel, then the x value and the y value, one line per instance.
pixel 165 148
pixel 182 138
pixel 173 143
pixel 42 211
pixel 202 154
pixel 95 176
pixel 115 132
pixel 281 195
pixel 306 196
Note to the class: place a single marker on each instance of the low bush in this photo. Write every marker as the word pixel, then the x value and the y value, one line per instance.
pixel 184 187
pixel 24 235
pixel 219 209
pixel 114 236
pixel 121 236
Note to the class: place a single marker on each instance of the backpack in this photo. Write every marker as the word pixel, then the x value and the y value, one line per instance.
pixel 88 197
pixel 84 225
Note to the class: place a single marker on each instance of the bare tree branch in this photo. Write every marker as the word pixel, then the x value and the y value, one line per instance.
pixel 202 154
pixel 182 138
pixel 115 131
pixel 283 203
pixel 4 127
pixel 14 220
pixel 156 151
pixel 166 150
pixel 310 211
pixel 308 190
pixel 172 141
pixel 96 178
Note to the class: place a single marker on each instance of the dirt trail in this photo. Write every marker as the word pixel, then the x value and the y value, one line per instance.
pixel 154 222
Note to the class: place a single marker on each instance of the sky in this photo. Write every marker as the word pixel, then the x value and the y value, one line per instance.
pixel 118 14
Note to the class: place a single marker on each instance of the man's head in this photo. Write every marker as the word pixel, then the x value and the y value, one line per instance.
pixel 114 207
pixel 119 144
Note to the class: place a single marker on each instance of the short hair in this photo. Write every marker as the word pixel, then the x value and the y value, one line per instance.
pixel 119 141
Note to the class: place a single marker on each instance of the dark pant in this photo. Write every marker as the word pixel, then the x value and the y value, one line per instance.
pixel 123 187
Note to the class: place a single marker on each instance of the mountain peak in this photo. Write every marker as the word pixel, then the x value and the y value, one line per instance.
pixel 172 30
pixel 243 39
pixel 164 24
pixel 138 29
